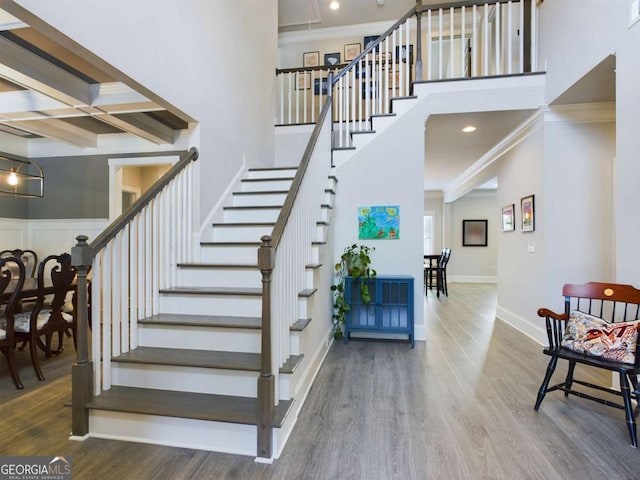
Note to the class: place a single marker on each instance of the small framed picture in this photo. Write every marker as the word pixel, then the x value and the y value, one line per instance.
pixel 474 233
pixel 508 218
pixel 331 59
pixel 351 51
pixel 369 90
pixel 303 80
pixel 527 212
pixel 311 59
pixel 404 52
pixel 320 86
pixel 365 72
pixel 368 41
pixel 381 57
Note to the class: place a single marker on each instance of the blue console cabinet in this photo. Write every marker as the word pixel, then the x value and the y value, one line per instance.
pixel 390 309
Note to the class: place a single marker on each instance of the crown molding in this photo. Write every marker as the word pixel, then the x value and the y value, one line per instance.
pixel 581 113
pixel 331 33
pixel 463 183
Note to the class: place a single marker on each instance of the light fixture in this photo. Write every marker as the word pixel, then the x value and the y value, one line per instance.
pixel 469 129
pixel 21 178
pixel 334 5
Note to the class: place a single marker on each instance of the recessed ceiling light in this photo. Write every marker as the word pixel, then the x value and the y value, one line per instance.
pixel 334 5
pixel 469 129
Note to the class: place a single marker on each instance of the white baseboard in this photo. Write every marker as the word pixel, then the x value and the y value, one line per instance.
pixel 537 333
pixel 472 279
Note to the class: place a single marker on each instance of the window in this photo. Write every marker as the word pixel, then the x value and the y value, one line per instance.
pixel 428 234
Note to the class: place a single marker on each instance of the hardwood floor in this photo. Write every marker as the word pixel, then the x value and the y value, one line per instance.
pixel 459 406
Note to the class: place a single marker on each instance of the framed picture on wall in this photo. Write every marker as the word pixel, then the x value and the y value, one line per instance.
pixel 311 59
pixel 303 80
pixel 474 233
pixel 351 51
pixel 368 41
pixel 331 59
pixel 527 212
pixel 508 218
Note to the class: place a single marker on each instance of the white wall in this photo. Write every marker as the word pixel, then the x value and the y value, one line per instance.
pixel 473 264
pixel 213 59
pixel 290 144
pixel 388 171
pixel 433 202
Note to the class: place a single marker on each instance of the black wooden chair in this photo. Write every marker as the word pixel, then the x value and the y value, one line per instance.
pixel 436 275
pixel 46 320
pixel 599 328
pixel 29 259
pixel 10 287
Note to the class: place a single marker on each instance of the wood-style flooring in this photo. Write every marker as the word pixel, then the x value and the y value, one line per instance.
pixel 459 406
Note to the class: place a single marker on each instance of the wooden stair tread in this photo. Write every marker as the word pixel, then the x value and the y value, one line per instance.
pixel 300 325
pixel 218 321
pixel 313 266
pixel 184 357
pixel 244 224
pixel 307 292
pixel 253 207
pixel 198 406
pixel 271 169
pixel 219 265
pixel 274 179
pixel 213 291
pixel 230 244
pixel 263 192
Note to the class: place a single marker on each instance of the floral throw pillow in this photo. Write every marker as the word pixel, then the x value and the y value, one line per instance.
pixel 591 335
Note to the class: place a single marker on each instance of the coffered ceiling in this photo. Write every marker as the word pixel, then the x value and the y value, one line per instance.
pixel 49 90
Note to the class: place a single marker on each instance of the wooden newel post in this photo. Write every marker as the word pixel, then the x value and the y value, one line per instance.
pixel 266 390
pixel 418 40
pixel 82 370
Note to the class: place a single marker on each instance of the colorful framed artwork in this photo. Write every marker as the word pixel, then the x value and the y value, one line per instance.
pixel 474 233
pixel 527 212
pixel 379 222
pixel 303 80
pixel 508 218
pixel 311 59
pixel 331 59
pixel 351 51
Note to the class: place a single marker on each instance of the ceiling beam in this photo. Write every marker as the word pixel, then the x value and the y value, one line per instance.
pixel 140 125
pixel 58 130
pixel 25 68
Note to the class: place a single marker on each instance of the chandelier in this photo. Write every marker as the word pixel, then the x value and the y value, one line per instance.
pixel 21 178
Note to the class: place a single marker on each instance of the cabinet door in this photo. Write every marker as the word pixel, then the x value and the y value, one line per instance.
pixel 362 315
pixel 394 304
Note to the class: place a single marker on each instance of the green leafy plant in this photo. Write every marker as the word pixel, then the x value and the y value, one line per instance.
pixel 355 262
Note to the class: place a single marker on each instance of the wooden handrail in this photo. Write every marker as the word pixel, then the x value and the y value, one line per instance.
pixel 281 222
pixel 118 224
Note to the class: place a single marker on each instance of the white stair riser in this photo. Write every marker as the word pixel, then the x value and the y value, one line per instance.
pixel 329 197
pixel 287 172
pixel 176 432
pixel 294 343
pixel 400 107
pixel 359 140
pixel 382 123
pixel 266 185
pixel 186 379
pixel 229 254
pixel 309 276
pixel 220 277
pixel 200 338
pixel 234 305
pixel 321 232
pixel 315 254
pixel 332 184
pixel 240 234
pixel 340 157
pixel 302 307
pixel 324 214
pixel 259 199
pixel 251 215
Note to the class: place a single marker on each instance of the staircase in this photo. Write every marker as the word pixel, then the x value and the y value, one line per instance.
pixel 191 380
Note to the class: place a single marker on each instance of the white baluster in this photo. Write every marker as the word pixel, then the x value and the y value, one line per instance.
pixel 463 42
pixel 106 319
pixel 281 78
pixel 386 86
pixel 395 64
pixel 485 37
pixel 474 43
pixel 116 294
pixel 133 274
pixel 407 62
pixel 148 293
pixel 509 38
pixel 96 321
pixel 440 43
pixel 521 38
pixel 451 70
pixel 534 36
pixel 312 77
pixel 429 58
pixel 124 286
pixel 155 252
pixel 498 53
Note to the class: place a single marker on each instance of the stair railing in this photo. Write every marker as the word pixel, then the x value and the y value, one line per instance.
pixel 130 261
pixel 282 258
pixel 455 40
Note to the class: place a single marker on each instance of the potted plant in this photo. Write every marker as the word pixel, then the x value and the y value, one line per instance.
pixel 355 262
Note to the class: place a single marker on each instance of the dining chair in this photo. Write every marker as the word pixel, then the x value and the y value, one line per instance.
pixel 28 257
pixel 45 320
pixel 436 275
pixel 10 287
